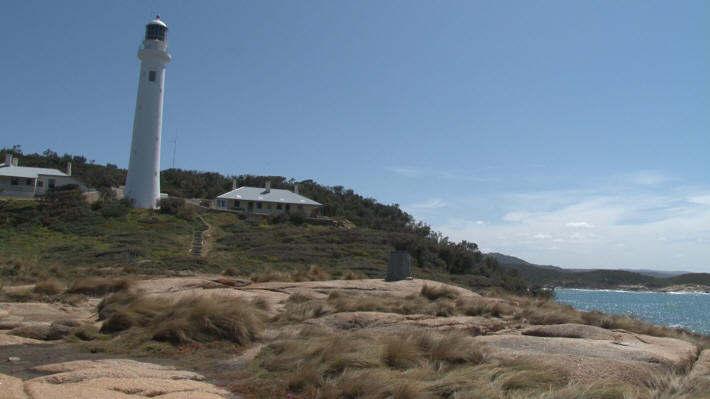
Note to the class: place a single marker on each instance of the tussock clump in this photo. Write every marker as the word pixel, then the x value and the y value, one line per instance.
pixel 317 363
pixel 595 391
pixel 298 275
pixel 456 349
pixel 410 390
pixel 299 311
pixel 194 319
pixel 433 292
pixel 299 297
pixel 269 274
pixel 49 287
pixel 532 378
pixel 350 275
pixel 201 319
pixel 401 352
pixel 119 321
pixel 98 286
pixel 261 303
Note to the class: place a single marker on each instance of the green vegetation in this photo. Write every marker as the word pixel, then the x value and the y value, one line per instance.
pixel 60 236
pixel 551 276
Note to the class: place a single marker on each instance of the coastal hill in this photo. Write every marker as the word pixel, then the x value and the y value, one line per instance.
pixel 108 301
pixel 61 236
pixel 553 276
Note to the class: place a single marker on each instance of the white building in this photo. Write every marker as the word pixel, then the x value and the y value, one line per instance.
pixel 24 181
pixel 266 201
pixel 143 180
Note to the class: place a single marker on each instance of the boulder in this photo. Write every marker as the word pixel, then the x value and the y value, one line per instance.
pixel 11 388
pixel 616 356
pixel 35 331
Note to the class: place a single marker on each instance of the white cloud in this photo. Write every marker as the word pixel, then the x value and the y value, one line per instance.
pixel 647 178
pixel 433 203
pixel 700 199
pixel 579 224
pixel 418 172
pixel 605 228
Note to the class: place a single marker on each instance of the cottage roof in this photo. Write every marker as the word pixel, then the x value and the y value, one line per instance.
pixel 28 172
pixel 272 195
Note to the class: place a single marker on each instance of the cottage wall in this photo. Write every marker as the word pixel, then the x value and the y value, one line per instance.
pixel 17 186
pixel 267 208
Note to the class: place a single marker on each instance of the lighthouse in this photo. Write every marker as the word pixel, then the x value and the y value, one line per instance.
pixel 143 180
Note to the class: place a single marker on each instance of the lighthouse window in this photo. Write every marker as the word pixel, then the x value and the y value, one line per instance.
pixel 151 76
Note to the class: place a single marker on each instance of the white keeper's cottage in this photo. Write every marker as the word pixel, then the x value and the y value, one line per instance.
pixel 267 201
pixel 27 181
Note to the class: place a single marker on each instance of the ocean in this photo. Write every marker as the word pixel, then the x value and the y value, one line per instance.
pixel 688 310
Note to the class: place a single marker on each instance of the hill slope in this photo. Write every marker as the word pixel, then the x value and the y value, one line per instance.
pixel 553 276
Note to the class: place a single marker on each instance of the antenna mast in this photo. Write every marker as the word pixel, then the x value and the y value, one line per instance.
pixel 174 141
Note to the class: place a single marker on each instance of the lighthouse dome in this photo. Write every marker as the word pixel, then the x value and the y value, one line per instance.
pixel 156 29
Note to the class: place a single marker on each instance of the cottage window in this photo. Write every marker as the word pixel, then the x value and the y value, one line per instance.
pixel 28 182
pixel 258 205
pixel 236 204
pixel 14 181
pixel 40 183
pixel 300 207
pixel 52 183
pixel 278 206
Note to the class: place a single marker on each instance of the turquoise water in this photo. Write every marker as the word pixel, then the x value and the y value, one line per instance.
pixel 688 310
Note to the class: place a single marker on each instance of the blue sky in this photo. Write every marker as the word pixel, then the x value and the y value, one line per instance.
pixel 567 133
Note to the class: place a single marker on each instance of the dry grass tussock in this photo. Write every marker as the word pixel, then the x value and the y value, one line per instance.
pixel 437 291
pixel 317 363
pixel 351 275
pixel 98 286
pixel 314 273
pixel 49 287
pixel 302 307
pixel 187 320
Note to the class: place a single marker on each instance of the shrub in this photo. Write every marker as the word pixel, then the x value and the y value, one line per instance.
pixel 170 205
pixel 297 218
pixel 176 206
pixel 116 208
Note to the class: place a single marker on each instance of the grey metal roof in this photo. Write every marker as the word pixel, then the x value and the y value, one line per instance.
pixel 28 172
pixel 274 195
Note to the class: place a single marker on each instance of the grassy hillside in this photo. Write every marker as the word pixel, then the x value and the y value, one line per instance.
pixel 65 238
pixel 110 237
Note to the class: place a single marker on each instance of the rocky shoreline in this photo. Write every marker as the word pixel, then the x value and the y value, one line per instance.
pixel 681 288
pixel 505 333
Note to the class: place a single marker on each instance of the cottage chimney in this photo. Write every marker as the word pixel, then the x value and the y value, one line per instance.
pixel 8 159
pixel 15 161
pixel 295 188
pixel 268 187
pixel 69 168
pixel 234 184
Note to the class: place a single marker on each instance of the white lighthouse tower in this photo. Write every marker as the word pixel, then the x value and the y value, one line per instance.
pixel 143 181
